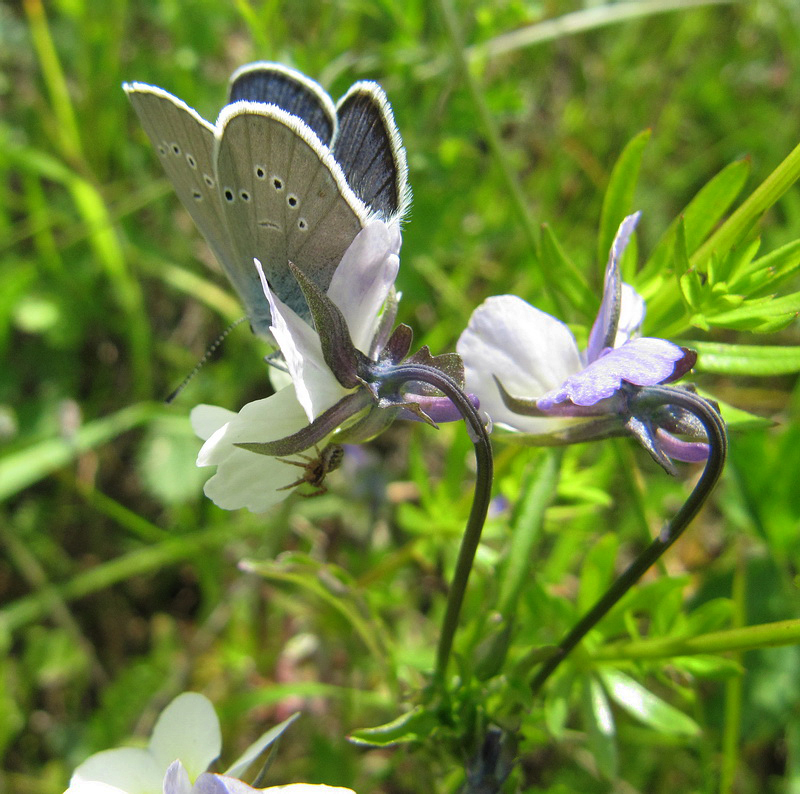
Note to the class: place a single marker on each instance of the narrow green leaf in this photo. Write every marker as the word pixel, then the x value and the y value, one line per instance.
pixel 760 314
pixel 700 216
pixel 241 764
pixel 712 201
pixel 618 199
pixel 597 570
pixel 539 489
pixel 26 466
pixel 765 273
pixel 747 638
pixel 688 277
pixel 648 708
pixel 572 284
pixel 416 726
pixel 600 727
pixel 737 418
pixel 759 360
pixel 726 266
pixel 763 197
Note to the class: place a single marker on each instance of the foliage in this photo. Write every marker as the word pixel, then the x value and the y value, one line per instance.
pixel 119 581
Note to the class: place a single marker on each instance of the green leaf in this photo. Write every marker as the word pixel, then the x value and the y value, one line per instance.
pixel 714 668
pixel 600 727
pixel 761 315
pixel 723 267
pixel 747 215
pixel 648 708
pixel 23 467
pixel 712 201
pixel 758 360
pixel 597 570
pixel 700 216
pixel 689 279
pixel 415 726
pixel 241 764
pixel 571 281
pixel 618 199
pixel 765 273
pixel 737 418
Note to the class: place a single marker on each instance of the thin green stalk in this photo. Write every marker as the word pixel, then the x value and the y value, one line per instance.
pixel 733 686
pixel 748 638
pixel 760 200
pixel 650 398
pixel 518 199
pixel 65 125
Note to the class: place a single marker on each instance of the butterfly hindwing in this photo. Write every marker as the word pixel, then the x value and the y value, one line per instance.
pixel 369 149
pixel 284 196
pixel 290 90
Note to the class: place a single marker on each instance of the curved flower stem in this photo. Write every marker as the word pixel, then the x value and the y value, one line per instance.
pixel 645 400
pixel 403 373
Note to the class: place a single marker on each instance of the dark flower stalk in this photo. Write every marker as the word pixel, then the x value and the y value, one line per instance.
pixel 646 401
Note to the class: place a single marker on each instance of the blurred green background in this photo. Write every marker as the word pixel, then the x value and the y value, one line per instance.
pixel 119 580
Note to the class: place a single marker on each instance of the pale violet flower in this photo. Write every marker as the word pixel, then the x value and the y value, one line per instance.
pixel 347 382
pixel 532 379
pixel 185 741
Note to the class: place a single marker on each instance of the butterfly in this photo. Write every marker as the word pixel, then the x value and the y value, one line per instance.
pixel 283 176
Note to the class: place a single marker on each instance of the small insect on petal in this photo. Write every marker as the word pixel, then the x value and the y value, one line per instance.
pixel 315 469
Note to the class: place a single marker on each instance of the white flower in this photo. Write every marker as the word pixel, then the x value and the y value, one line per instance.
pixel 533 380
pixel 185 741
pixel 359 288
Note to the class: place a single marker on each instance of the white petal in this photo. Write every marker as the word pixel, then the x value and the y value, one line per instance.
pixel 262 420
pixel 316 386
pixel 177 781
pixel 131 769
pixel 248 479
pixel 631 315
pixel 529 351
pixel 188 729
pixel 363 279
pixel 207 419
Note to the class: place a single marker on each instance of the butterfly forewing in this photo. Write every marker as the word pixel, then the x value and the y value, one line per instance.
pixel 369 149
pixel 290 90
pixel 285 198
pixel 185 145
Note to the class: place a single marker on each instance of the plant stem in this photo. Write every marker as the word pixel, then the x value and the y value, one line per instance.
pixel 738 640
pixel 404 373
pixel 649 398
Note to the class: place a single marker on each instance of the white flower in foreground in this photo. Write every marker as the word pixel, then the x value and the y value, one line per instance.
pixel 346 379
pixel 185 741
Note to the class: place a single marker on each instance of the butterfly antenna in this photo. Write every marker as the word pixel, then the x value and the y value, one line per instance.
pixel 209 352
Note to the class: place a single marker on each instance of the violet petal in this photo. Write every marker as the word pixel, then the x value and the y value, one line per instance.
pixel 641 362
pixel 604 330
